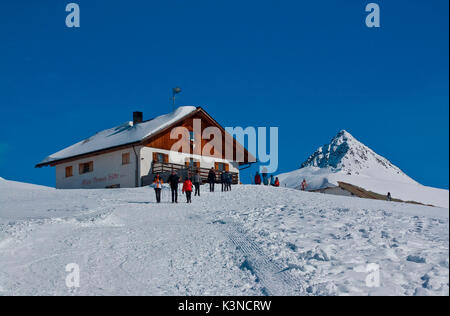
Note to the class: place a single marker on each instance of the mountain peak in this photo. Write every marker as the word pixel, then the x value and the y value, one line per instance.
pixel 346 154
pixel 344 134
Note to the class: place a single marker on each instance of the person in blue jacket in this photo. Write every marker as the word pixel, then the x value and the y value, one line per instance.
pixel 265 179
pixel 228 181
pixel 272 180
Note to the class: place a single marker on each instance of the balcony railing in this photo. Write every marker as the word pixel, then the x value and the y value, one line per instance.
pixel 165 169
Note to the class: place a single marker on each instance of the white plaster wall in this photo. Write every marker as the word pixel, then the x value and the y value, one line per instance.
pixel 108 170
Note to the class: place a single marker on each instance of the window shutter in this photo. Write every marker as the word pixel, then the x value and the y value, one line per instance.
pixel 166 158
pixel 69 172
pixel 155 157
pixel 125 158
pixel 216 165
pixel 227 167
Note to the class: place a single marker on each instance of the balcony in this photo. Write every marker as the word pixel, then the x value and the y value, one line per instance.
pixel 165 169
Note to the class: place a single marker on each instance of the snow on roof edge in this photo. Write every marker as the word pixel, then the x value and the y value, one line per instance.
pixel 121 135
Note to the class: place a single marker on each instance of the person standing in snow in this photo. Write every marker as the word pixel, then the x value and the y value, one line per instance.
pixel 223 180
pixel 211 179
pixel 264 176
pixel 187 189
pixel 197 181
pixel 265 179
pixel 304 185
pixel 277 182
pixel 257 178
pixel 272 180
pixel 229 180
pixel 389 197
pixel 157 182
pixel 173 180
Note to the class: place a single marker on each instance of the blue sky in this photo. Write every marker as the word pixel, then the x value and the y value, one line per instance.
pixel 311 68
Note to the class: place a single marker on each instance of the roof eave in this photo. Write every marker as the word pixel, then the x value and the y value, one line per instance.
pixel 92 153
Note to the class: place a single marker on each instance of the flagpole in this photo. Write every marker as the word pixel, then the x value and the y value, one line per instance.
pixel 175 91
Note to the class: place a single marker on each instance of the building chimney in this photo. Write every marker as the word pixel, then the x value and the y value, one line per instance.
pixel 137 117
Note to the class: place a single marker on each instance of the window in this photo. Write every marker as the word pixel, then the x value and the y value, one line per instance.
pixel 126 159
pixel 222 166
pixel 191 162
pixel 159 157
pixel 86 167
pixel 69 172
pixel 192 136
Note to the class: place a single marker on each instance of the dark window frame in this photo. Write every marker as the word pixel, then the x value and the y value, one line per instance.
pixel 126 161
pixel 86 167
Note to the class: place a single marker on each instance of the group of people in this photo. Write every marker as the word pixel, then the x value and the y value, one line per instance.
pixel 266 180
pixel 225 179
pixel 190 183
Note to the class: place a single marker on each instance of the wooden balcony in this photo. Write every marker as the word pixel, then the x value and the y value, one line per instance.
pixel 165 169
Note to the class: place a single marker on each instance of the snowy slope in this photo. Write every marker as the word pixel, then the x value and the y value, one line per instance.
pixel 14 185
pixel 348 160
pixel 255 240
pixel 120 135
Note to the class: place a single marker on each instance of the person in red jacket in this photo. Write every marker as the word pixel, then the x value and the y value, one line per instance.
pixel 187 188
pixel 257 178
pixel 277 182
pixel 304 185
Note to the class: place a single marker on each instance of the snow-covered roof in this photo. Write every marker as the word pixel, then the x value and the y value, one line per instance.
pixel 126 133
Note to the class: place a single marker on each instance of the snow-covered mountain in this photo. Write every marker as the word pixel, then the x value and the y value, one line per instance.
pixel 348 160
pixel 346 154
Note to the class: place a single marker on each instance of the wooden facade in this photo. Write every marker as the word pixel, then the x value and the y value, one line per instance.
pixel 163 140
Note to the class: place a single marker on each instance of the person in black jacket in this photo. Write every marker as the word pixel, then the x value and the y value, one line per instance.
pixel 223 180
pixel 211 179
pixel 173 180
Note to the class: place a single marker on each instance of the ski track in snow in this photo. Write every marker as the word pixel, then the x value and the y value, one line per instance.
pixel 251 241
pixel 275 279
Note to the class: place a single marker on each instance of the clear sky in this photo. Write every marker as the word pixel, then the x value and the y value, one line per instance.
pixel 311 68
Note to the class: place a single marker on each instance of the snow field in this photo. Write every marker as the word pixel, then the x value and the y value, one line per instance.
pixel 254 240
